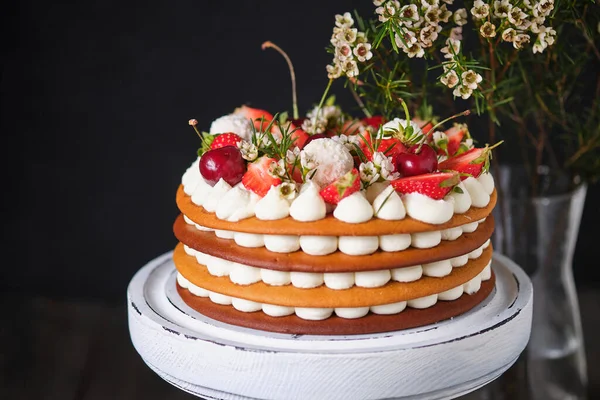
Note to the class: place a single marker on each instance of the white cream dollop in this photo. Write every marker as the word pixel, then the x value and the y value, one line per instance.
pixel 216 194
pixel 354 209
pixel 388 205
pixel 282 243
pixel 273 206
pixel 375 189
pixel 425 240
pixel 190 177
pixel 426 209
pixel 306 280
pixel 437 269
pixel 244 274
pixel 235 205
pixel 407 274
pixel 309 205
pixel 487 181
pixel 398 242
pixel 313 314
pixel 451 294
pixel 388 309
pixel 275 278
pixel 277 311
pixel 318 245
pixel 339 280
pixel 372 279
pixel 462 201
pixel 249 239
pixel 423 302
pixel 202 191
pixel 358 245
pixel 351 312
pixel 479 196
pixel 452 233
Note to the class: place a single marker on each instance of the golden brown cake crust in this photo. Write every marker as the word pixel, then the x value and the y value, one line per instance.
pixel 328 226
pixel 371 323
pixel 227 249
pixel 322 296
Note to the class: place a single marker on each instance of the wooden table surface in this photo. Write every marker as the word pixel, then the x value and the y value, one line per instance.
pixel 80 350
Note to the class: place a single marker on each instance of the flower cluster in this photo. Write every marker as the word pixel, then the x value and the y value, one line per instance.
pixel 249 150
pixel 320 119
pixel 513 20
pixel 350 48
pixel 380 168
pixel 417 24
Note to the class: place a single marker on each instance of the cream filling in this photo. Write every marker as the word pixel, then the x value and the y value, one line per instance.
pixel 246 275
pixel 351 245
pixel 317 314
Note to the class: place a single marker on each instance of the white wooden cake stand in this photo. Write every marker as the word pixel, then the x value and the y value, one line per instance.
pixel 214 360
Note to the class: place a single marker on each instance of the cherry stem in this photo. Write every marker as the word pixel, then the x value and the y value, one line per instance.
pixel 272 45
pixel 466 112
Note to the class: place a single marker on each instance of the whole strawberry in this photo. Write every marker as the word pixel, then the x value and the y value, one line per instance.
pixel 341 188
pixel 225 139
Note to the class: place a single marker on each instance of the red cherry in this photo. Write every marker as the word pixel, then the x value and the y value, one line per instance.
pixel 314 137
pixel 418 160
pixel 224 163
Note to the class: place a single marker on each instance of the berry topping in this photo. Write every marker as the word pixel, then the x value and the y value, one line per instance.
pixel 417 160
pixel 343 187
pixel 424 125
pixel 471 163
pixel 225 139
pixel 258 178
pixel 223 163
pixel 256 115
pixel 391 147
pixel 375 121
pixel 455 136
pixel 435 185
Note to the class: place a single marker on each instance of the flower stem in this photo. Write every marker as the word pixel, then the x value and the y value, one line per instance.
pixel 322 101
pixel 272 45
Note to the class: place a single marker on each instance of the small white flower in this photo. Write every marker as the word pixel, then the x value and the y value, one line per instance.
pixel 350 68
pixel 508 35
pixel 343 52
pixel 445 14
pixel 516 16
pixel 543 8
pixel 368 173
pixel 502 8
pixel 462 91
pixel 456 33
pixel 428 35
pixel 450 79
pixel 548 35
pixel 460 17
pixel 432 15
pixel 452 48
pixel 377 3
pixel 288 190
pixel 248 150
pixel 448 1
pixel 520 40
pixel 334 71
pixel 470 79
pixel 409 38
pixel 430 3
pixel 277 169
pixel 440 140
pixel 361 38
pixel 539 46
pixel 348 35
pixel 307 162
pixel 381 12
pixel 410 14
pixel 363 52
pixel 344 21
pixel 292 156
pixel 488 30
pixel 480 9
pixel 415 50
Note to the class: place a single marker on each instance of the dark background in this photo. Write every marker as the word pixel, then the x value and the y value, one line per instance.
pixel 94 102
pixel 95 99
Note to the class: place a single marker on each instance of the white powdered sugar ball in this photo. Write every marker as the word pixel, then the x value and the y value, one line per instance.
pixel 238 124
pixel 329 159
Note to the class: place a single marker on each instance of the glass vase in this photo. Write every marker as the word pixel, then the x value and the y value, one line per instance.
pixel 537 225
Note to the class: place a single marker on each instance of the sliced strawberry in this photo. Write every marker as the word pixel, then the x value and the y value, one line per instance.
pixel 435 185
pixel 352 127
pixel 257 178
pixel 343 187
pixel 470 163
pixel 424 125
pixel 375 121
pixel 298 135
pixel 390 147
pixel 225 139
pixel 455 136
pixel 256 115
